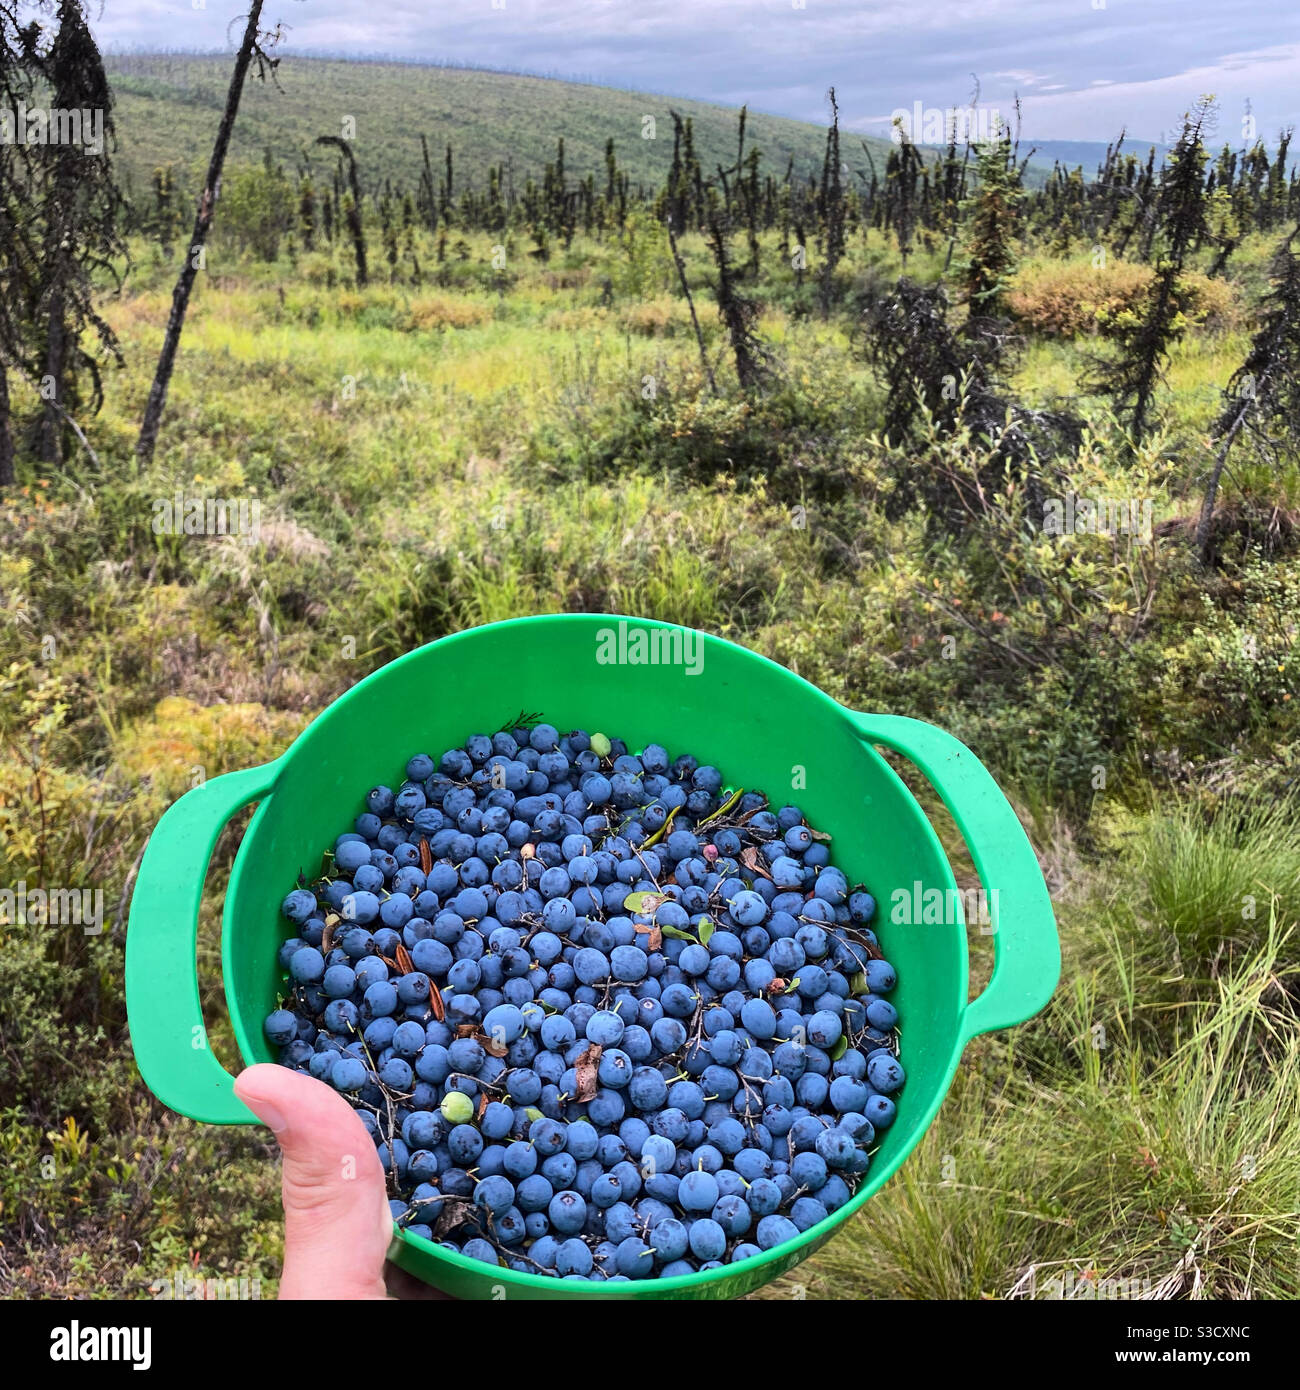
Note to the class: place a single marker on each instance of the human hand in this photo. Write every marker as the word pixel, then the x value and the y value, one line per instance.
pixel 337 1226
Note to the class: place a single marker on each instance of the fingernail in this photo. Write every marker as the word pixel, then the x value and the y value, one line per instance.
pixel 269 1114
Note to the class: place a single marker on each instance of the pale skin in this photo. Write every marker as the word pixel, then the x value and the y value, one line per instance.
pixel 337 1226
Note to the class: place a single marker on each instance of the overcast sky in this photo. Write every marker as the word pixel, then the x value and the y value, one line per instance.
pixel 1083 68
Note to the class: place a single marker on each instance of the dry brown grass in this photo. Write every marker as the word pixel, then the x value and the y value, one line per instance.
pixel 446 311
pixel 1068 299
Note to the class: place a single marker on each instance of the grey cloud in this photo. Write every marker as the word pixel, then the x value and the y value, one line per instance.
pixel 1137 62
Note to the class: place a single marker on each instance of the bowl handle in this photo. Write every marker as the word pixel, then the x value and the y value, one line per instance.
pixel 1027 951
pixel 162 981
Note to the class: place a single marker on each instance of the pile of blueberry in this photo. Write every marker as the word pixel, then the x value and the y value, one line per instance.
pixel 603 1018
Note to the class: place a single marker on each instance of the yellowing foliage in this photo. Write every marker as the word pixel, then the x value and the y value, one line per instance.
pixel 183 742
pixel 1068 298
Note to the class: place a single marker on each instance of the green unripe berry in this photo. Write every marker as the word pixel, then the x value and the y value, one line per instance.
pixel 457 1108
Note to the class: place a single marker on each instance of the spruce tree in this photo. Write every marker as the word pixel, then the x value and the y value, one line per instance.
pixel 831 207
pixel 307 212
pixel 351 206
pixel 82 210
pixel 903 171
pixel 20 252
pixel 1263 396
pixel 739 313
pixel 993 221
pixel 1133 375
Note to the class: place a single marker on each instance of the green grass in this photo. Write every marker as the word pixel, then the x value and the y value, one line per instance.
pixel 1214 888
pixel 1084 1161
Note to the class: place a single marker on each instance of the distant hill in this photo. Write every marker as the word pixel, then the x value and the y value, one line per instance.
pixel 1090 154
pixel 168 107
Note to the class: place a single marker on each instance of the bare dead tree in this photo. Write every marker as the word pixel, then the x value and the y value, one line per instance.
pixel 690 304
pixel 254 49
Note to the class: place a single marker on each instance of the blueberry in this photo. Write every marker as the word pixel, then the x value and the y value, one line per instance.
pixel 350 857
pixel 591 966
pixel 885 1072
pixel 881 1014
pixel 479 1249
pixel 698 1191
pixel 495 1195
pixel 573 1257
pixel 881 977
pixel 775 1230
pixel 732 1215
pixel 763 1197
pixel 824 1029
pixel 634 1258
pixel 504 1024
pixel 361 907
pixel 281 1027
pixel 759 1018
pixel 349 1074
pixel 605 1028
pixel 567 1212
pixel 627 963
pixel 748 908
pixel 299 905
pixel 806 1212
pixel 835 1147
pixel 707 1239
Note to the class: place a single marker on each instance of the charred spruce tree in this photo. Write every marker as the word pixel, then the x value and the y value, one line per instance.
pixel 1132 376
pixel 351 206
pixel 903 170
pixel 739 313
pixel 20 240
pixel 939 380
pixel 1263 396
pixel 82 207
pixel 831 208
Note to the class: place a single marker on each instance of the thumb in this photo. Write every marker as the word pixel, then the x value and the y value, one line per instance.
pixel 337 1224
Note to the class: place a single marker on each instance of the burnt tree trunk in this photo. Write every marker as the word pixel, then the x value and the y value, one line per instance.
pixel 49 446
pixel 153 411
pixel 7 474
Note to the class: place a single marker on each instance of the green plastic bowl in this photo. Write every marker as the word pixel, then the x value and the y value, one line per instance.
pixel 763 726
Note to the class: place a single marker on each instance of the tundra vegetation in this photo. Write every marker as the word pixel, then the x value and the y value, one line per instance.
pixel 1009 449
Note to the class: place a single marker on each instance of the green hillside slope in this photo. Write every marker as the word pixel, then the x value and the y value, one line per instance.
pixel 168 107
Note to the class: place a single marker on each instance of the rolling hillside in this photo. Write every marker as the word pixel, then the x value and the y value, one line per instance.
pixel 168 107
